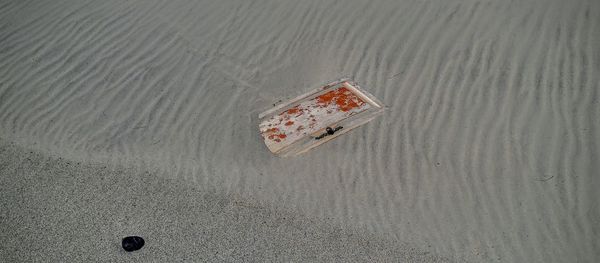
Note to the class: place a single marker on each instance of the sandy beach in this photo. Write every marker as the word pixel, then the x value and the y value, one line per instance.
pixel 55 210
pixel 141 117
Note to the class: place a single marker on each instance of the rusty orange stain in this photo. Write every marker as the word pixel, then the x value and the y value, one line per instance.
pixel 289 123
pixel 342 97
pixel 293 110
pixel 275 134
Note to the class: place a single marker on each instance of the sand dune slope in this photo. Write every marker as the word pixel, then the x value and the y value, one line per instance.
pixel 488 150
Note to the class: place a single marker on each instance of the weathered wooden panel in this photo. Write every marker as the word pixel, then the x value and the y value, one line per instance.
pixel 315 117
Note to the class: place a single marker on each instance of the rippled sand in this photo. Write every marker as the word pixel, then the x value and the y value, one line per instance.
pixel 488 150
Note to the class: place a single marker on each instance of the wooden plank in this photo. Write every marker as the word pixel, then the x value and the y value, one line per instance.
pixel 316 117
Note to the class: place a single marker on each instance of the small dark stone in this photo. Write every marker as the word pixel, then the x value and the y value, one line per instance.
pixel 329 130
pixel 132 243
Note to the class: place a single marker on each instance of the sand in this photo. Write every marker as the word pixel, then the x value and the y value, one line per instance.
pixel 487 152
pixel 54 210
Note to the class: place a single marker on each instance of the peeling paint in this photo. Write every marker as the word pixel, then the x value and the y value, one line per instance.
pixel 312 115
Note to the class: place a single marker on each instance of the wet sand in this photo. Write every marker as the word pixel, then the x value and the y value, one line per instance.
pixel 54 209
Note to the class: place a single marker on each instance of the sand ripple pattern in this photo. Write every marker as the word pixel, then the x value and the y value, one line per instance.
pixel 488 150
